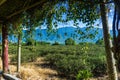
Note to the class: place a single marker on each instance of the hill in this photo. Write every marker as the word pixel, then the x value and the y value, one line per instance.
pixel 66 32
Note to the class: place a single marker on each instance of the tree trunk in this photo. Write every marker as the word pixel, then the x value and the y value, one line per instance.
pixel 19 53
pixel 117 26
pixel 112 73
pixel 5 48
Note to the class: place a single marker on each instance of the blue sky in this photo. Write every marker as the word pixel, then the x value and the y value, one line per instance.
pixel 97 24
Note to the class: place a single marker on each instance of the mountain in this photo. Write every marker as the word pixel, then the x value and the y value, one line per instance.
pixel 61 34
pixel 66 32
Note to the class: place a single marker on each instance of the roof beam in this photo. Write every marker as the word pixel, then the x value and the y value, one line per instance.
pixel 2 2
pixel 26 8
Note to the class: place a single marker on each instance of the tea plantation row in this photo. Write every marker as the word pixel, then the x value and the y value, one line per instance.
pixel 71 61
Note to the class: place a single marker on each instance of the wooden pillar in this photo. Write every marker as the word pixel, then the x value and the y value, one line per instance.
pixel 5 48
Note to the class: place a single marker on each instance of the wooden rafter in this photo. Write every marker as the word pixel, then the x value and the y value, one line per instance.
pixel 26 8
pixel 36 4
pixel 2 2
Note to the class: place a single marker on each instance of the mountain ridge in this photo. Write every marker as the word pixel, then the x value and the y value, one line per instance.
pixel 62 34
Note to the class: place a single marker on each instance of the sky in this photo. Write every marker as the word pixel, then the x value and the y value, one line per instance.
pixel 97 24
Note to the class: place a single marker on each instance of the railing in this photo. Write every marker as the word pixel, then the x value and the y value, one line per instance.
pixel 7 76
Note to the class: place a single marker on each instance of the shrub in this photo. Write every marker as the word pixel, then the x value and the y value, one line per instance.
pixel 69 61
pixel 99 69
pixel 52 58
pixel 42 43
pixel 26 57
pixel 28 54
pixel 68 65
pixel 100 42
pixel 30 42
pixel 83 75
pixel 56 43
pixel 98 65
pixel 69 41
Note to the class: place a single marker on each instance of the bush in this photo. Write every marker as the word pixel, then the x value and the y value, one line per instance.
pixel 28 54
pixel 69 65
pixel 42 43
pixel 98 65
pixel 100 42
pixel 29 57
pixel 30 42
pixel 69 41
pixel 52 58
pixel 56 43
pixel 69 60
pixel 83 75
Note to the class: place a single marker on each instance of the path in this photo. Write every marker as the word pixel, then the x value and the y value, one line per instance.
pixel 39 70
pixel 36 71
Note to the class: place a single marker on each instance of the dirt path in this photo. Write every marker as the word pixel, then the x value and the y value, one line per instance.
pixel 36 71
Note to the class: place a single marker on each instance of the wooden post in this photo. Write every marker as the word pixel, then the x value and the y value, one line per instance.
pixel 5 48
pixel 19 53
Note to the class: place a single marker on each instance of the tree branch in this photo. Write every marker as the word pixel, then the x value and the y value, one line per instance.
pixel 97 2
pixel 26 8
pixel 42 2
